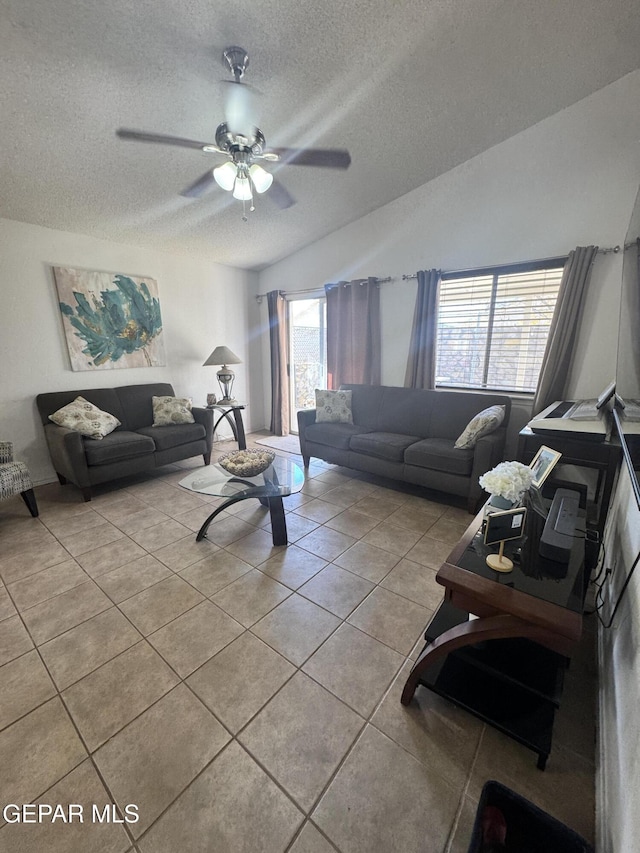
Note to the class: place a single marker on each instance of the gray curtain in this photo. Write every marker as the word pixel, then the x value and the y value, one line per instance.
pixel 563 334
pixel 353 332
pixel 279 368
pixel 421 363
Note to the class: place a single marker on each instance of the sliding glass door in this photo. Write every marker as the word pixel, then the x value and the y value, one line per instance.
pixel 307 353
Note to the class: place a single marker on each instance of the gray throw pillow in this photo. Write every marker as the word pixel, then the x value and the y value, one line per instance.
pixel 333 407
pixel 482 424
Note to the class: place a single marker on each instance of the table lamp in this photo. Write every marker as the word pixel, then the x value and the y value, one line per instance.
pixel 226 376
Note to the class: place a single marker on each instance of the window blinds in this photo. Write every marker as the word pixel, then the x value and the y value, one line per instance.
pixel 493 327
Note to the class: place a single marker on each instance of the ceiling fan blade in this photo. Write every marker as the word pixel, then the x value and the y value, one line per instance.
pixel 331 158
pixel 141 136
pixel 280 195
pixel 201 186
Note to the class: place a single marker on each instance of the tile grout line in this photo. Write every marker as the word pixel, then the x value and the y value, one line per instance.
pixel 463 795
pixel 89 755
pixel 116 604
pixel 298 668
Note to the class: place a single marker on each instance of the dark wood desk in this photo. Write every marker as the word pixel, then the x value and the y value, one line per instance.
pixel 603 456
pixel 534 614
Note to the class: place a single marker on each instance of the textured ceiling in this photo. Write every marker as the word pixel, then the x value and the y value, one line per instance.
pixel 412 88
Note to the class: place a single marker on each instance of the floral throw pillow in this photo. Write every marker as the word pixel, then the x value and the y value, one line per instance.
pixel 171 410
pixel 482 424
pixel 85 418
pixel 333 407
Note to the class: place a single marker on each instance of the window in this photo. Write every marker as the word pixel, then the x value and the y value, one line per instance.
pixel 307 353
pixel 493 325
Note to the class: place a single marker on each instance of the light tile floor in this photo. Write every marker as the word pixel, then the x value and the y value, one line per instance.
pixel 245 697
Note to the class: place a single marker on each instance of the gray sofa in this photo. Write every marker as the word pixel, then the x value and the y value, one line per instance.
pixel 408 434
pixel 131 448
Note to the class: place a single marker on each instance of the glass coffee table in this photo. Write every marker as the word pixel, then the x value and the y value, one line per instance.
pixel 281 479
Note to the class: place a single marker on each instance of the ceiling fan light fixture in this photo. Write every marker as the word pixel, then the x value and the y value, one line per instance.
pixel 262 179
pixel 225 175
pixel 242 189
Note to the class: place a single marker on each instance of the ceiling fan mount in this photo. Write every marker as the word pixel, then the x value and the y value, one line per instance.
pixel 242 143
pixel 236 59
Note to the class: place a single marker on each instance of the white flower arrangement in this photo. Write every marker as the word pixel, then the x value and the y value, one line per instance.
pixel 510 480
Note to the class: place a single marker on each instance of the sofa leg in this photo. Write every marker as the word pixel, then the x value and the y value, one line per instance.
pixel 207 458
pixel 62 480
pixel 86 493
pixel 30 499
pixel 305 461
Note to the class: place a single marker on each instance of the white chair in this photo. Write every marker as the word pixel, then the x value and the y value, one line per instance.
pixel 15 478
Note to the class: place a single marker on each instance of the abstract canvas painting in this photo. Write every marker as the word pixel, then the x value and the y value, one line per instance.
pixel 110 320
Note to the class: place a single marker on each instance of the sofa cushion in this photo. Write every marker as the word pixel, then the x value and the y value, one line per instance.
pixel 333 435
pixel 333 407
pixel 175 435
pixel 83 417
pixel 481 424
pixel 117 447
pixel 383 445
pixel 439 454
pixel 135 401
pixel 454 409
pixel 105 399
pixel 366 402
pixel 407 411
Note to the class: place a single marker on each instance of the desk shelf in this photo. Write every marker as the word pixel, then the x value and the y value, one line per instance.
pixel 514 685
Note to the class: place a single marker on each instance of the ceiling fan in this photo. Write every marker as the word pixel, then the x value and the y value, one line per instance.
pixel 243 144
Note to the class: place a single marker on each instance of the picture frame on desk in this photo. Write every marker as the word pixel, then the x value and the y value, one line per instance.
pixel 543 464
pixel 505 525
pixel 499 528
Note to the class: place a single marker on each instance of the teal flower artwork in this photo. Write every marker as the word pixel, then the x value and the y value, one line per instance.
pixel 110 320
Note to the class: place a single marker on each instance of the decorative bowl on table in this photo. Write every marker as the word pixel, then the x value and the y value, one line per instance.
pixel 246 463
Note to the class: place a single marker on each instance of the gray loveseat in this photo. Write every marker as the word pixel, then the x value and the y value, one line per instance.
pixel 131 448
pixel 408 434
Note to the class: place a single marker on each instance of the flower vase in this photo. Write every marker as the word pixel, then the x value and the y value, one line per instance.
pixel 497 503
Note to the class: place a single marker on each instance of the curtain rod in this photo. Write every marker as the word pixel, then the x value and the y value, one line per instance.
pixel 261 296
pixel 607 250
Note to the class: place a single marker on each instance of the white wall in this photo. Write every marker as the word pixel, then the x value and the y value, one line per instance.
pixel 203 304
pixel 618 781
pixel 619 647
pixel 569 180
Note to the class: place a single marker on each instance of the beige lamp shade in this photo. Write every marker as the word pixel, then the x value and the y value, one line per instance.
pixel 222 355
